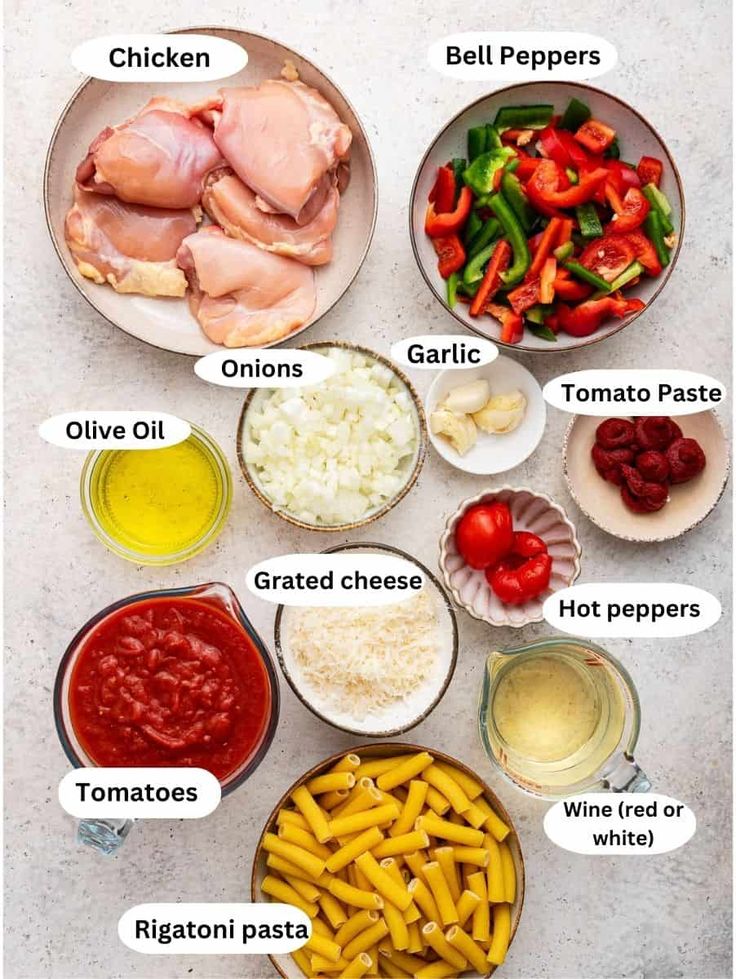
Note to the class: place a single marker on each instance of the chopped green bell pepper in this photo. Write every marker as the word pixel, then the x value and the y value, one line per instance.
pixel 586 275
pixel 523 117
pixel 517 239
pixel 613 152
pixel 476 142
pixel 479 175
pixel 537 314
pixel 513 192
pixel 489 231
pixel 543 332
pixel 473 272
pixel 563 251
pixel 588 221
pixel 513 165
pixel 572 176
pixel 452 282
pixel 493 140
pixel 658 202
pixel 656 234
pixel 632 272
pixel 472 227
pixel 575 115
pixel 458 167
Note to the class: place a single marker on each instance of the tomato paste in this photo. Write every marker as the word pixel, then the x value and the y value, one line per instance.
pixel 170 681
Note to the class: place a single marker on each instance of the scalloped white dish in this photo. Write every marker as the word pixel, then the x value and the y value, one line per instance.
pixel 533 512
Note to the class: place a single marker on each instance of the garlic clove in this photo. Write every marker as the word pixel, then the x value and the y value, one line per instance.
pixel 502 413
pixel 459 430
pixel 467 398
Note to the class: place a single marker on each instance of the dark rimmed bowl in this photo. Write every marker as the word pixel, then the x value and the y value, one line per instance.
pixel 637 137
pixel 372 515
pixel 445 606
pixel 219 595
pixel 284 964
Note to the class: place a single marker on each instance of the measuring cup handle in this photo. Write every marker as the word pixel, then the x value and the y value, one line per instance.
pixel 104 835
pixel 627 777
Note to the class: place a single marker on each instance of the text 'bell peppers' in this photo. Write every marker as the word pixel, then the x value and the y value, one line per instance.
pixel 543 186
pixel 586 318
pixel 440 225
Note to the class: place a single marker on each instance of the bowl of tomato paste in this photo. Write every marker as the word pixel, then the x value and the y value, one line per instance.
pixel 169 678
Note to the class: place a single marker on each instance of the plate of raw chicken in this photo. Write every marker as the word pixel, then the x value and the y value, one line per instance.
pixel 201 215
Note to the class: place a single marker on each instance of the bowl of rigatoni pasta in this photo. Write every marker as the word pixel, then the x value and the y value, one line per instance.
pixel 404 860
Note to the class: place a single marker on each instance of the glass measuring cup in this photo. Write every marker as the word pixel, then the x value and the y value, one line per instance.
pixel 106 835
pixel 559 717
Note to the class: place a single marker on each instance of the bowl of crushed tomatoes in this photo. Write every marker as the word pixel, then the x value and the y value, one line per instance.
pixel 547 216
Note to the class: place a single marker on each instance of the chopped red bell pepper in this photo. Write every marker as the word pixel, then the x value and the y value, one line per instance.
pixel 527 166
pixel 588 316
pixel 547 281
pixel 442 195
pixel 525 296
pixel 498 263
pixel 450 222
pixel 451 254
pixel 621 176
pixel 634 208
pixel 566 226
pixel 650 170
pixel 571 290
pixel 547 242
pixel 615 201
pixel 644 252
pixel 512 325
pixel 595 135
pixel 554 148
pixel 543 186
pixel 608 256
pixel 581 160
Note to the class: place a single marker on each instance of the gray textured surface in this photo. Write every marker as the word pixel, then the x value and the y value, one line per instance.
pixel 660 916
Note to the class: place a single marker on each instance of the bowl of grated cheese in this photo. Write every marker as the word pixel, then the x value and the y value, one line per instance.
pixel 374 671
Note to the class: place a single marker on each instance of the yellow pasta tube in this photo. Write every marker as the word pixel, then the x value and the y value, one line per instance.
pixel 331 782
pixel 404 771
pixel 366 940
pixel 445 857
pixel 302 960
pixel 440 892
pixel 332 909
pixel 307 890
pixel 304 839
pixel 287 869
pixel 422 897
pixel 397 927
pixel 494 824
pixel 482 915
pixel 470 786
pixel 437 941
pixel 475 855
pixel 383 883
pixel 448 787
pixel 287 895
pixel 358 821
pixel 320 964
pixel 462 941
pixel 331 800
pixel 466 906
pixel 392 869
pixel 355 897
pixel 409 963
pixel 436 801
pixel 388 968
pixel 324 947
pixel 494 871
pixel 354 925
pixel 412 808
pixel 436 970
pixel 415 937
pixel 406 843
pixel 358 967
pixel 501 934
pixel 361 797
pixel 293 817
pixel 303 800
pixel 321 927
pixel 415 862
pixel 377 766
pixel 348 763
pixel 361 880
pixel 475 816
pixel 300 857
pixel 445 830
pixel 346 854
pixel 508 872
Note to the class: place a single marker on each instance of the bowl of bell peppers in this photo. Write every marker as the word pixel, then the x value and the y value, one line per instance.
pixel 547 216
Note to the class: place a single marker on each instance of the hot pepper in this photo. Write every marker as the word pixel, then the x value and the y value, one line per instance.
pixel 515 233
pixel 441 225
pixel 524 573
pixel 543 186
pixel 492 279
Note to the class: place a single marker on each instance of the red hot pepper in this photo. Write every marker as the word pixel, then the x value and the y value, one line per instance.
pixel 441 225
pixel 524 573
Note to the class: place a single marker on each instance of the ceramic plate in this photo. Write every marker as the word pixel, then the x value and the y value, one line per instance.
pixel 689 503
pixel 492 453
pixel 637 138
pixel 167 323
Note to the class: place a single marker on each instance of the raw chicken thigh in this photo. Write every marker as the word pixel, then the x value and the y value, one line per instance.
pixel 242 295
pixel 130 246
pixel 160 157
pixel 281 139
pixel 234 207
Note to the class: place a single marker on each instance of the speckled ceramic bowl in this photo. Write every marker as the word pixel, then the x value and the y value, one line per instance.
pixel 533 512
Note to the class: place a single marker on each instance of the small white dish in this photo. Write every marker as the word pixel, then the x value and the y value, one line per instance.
pixel 533 512
pixel 492 454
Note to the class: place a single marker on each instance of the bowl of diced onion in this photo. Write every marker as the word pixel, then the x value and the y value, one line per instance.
pixel 416 793
pixel 339 454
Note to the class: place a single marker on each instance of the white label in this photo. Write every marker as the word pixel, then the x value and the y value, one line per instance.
pixel 159 58
pixel 139 793
pixel 514 56
pixel 634 392
pixel 114 430
pixel 435 351
pixel 214 929
pixel 264 368
pixel 637 609
pixel 326 580
pixel 613 825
